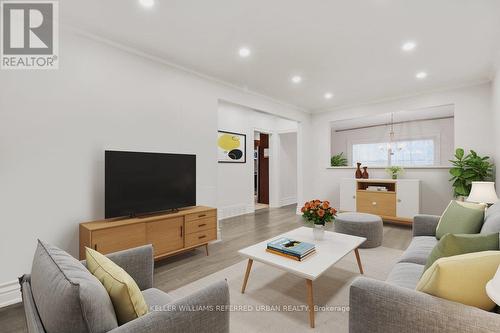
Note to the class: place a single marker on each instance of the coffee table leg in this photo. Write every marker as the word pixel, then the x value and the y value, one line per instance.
pixel 247 273
pixel 359 261
pixel 310 301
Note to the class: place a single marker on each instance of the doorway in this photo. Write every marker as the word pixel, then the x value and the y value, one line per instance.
pixel 261 170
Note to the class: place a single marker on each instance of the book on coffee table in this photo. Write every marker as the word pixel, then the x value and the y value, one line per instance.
pixel 289 256
pixel 291 248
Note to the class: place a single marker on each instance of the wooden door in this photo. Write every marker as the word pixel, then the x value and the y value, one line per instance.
pixel 263 170
pixel 120 238
pixel 166 235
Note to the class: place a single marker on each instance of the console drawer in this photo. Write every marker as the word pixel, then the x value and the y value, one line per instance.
pixel 201 225
pixel 200 237
pixel 201 215
pixel 378 203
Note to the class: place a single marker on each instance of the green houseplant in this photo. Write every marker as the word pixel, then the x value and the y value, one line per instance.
pixel 338 160
pixel 394 171
pixel 469 168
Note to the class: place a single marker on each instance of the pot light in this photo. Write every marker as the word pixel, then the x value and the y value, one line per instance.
pixel 409 46
pixel 244 52
pixel 147 3
pixel 328 95
pixel 421 75
pixel 296 79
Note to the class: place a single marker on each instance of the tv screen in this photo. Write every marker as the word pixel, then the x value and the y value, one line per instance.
pixel 140 183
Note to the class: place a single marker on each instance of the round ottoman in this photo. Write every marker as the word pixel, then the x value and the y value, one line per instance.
pixel 362 225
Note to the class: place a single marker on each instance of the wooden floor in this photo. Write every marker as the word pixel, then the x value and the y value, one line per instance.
pixel 237 232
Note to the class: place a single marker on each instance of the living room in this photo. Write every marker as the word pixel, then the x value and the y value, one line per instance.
pixel 236 106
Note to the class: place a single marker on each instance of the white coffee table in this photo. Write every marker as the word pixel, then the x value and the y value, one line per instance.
pixel 329 251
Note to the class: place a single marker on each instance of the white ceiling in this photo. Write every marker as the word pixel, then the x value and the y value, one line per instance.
pixel 348 47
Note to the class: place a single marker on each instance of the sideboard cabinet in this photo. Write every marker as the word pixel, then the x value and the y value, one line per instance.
pixel 170 233
pixel 397 201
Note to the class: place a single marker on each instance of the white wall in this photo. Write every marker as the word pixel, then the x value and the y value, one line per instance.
pixel 441 130
pixel 496 121
pixel 55 126
pixel 235 181
pixel 288 168
pixel 473 130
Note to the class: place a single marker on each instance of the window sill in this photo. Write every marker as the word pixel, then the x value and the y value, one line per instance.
pixel 385 167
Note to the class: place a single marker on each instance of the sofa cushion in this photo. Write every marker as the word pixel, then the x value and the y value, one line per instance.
pixel 452 245
pixel 491 219
pixel 461 218
pixel 462 278
pixel 125 295
pixel 155 297
pixel 419 249
pixel 68 298
pixel 405 275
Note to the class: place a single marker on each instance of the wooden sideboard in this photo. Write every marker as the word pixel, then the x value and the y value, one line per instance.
pixel 399 204
pixel 170 233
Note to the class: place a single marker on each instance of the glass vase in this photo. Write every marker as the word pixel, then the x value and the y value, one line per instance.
pixel 318 232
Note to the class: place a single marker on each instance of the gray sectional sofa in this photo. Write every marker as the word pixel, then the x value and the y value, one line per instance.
pixel 394 306
pixel 70 301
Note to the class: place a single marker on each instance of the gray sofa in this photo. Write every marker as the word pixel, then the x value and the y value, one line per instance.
pixel 165 314
pixel 394 306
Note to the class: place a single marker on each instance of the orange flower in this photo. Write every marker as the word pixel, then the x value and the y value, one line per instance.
pixel 321 213
pixel 326 202
pixel 325 205
pixel 307 205
pixel 333 211
pixel 303 209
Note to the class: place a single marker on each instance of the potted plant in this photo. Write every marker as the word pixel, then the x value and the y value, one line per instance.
pixel 338 160
pixel 319 213
pixel 394 171
pixel 467 169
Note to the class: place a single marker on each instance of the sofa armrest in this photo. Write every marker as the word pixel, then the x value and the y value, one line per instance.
pixel 425 225
pixel 137 262
pixel 379 307
pixel 203 311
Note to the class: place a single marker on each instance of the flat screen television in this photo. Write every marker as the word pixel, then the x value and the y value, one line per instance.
pixel 138 183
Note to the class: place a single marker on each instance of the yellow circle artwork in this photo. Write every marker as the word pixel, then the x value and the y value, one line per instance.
pixel 228 142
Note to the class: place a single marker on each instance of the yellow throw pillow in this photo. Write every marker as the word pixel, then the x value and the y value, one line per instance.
pixel 462 278
pixel 125 295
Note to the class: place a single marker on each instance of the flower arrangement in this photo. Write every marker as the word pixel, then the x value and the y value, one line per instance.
pixel 318 212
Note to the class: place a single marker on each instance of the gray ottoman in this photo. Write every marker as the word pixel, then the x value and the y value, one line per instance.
pixel 362 225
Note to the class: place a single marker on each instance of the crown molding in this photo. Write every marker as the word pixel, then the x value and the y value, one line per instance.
pixel 178 67
pixel 395 98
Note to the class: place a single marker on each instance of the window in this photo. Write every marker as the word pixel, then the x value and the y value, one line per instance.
pixel 403 153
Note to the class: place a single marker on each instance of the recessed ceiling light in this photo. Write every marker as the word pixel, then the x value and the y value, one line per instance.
pixel 328 95
pixel 409 46
pixel 421 75
pixel 296 79
pixel 147 3
pixel 244 52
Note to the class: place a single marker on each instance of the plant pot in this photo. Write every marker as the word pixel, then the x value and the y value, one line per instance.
pixel 318 232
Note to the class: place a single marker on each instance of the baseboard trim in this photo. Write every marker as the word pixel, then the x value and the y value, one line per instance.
pixel 236 210
pixel 10 293
pixel 288 201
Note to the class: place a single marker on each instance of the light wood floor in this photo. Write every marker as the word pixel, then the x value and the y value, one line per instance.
pixel 237 232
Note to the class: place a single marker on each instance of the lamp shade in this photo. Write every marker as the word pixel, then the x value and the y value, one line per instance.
pixel 483 192
pixel 493 288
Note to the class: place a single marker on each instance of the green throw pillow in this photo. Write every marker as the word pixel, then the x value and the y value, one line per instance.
pixel 455 244
pixel 461 218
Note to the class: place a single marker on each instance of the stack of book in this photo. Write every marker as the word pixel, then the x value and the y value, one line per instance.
pixel 291 248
